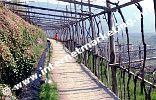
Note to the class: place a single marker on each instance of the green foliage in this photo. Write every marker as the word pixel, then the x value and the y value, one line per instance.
pixel 1 5
pixel 27 41
pixel 49 92
pixel 1 88
pixel 36 50
pixel 16 65
pixel 21 46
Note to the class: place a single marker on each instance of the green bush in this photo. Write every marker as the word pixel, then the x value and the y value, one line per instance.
pixel 16 64
pixel 49 91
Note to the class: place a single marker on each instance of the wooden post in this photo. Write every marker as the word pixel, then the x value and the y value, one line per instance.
pixel 112 52
pixel 140 53
pixel 93 36
pixel 76 27
pixel 83 37
pixel 64 34
pixel 73 37
pixel 154 1
pixel 72 32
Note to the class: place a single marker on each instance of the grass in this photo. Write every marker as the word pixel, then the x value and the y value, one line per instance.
pixel 49 92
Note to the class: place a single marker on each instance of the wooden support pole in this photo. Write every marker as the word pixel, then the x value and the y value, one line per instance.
pixel 83 37
pixel 154 1
pixel 95 63
pixel 73 39
pixel 112 52
pixel 76 26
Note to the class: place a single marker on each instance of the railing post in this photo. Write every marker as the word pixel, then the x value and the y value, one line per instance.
pixel 112 51
pixel 155 11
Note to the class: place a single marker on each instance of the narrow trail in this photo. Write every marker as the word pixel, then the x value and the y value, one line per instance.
pixel 75 81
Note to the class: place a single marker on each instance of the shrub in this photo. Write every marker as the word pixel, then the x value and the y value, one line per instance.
pixel 49 91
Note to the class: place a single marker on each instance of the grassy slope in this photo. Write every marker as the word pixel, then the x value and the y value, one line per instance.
pixel 21 45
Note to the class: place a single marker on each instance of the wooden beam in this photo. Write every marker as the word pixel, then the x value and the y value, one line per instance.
pixel 48 9
pixel 112 9
pixel 85 4
pixel 46 21
pixel 49 29
pixel 56 23
pixel 154 1
pixel 133 74
pixel 112 56
pixel 125 5
pixel 53 24
pixel 45 14
pixel 43 18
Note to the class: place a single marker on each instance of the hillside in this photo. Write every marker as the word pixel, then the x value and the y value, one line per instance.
pixel 21 45
pixel 152 40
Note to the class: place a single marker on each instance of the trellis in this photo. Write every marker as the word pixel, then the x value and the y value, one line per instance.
pixel 75 32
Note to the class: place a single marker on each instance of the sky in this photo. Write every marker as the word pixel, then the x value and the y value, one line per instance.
pixel 145 3
pixel 98 2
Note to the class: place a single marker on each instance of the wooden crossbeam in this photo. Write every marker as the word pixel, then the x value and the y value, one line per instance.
pixel 56 25
pixel 44 18
pixel 49 23
pixel 60 22
pixel 49 27
pixel 45 14
pixel 112 9
pixel 48 9
pixel 85 4
pixel 125 5
pixel 44 21
pixel 52 24
pixel 38 21
pixel 133 74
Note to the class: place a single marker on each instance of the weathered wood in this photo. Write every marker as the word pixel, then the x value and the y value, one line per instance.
pixel 45 14
pixel 112 52
pixel 86 4
pixel 76 26
pixel 113 9
pixel 125 5
pixel 154 1
pixel 48 9
pixel 44 18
